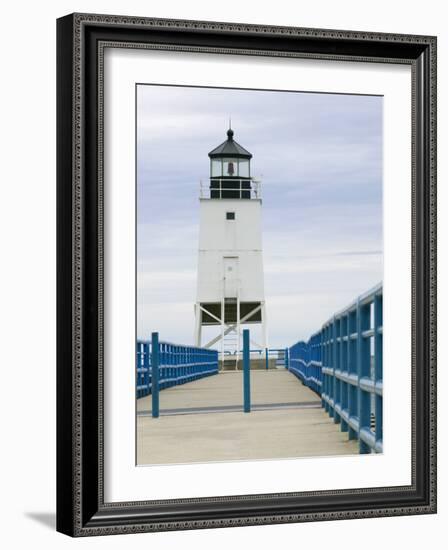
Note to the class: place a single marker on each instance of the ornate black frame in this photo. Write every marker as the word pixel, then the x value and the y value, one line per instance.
pixel 81 510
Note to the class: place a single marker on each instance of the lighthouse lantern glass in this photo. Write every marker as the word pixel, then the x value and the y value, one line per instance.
pixel 243 168
pixel 216 168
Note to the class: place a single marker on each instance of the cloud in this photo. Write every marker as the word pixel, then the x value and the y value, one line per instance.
pixel 321 160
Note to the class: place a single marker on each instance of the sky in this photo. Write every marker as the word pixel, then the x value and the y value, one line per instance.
pixel 320 160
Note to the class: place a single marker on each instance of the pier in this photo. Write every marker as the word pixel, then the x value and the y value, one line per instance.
pixel 204 421
pixel 322 397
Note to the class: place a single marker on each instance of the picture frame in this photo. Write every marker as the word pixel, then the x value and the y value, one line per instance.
pixel 81 506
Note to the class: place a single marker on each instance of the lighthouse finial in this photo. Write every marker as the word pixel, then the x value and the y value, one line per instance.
pixel 230 131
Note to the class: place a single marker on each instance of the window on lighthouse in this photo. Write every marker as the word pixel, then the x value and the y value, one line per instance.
pixel 230 215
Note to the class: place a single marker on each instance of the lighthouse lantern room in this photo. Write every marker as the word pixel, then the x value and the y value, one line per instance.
pixel 230 285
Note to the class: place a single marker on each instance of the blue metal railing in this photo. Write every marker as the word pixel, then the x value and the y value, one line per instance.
pixel 176 365
pixel 306 363
pixel 280 355
pixel 343 363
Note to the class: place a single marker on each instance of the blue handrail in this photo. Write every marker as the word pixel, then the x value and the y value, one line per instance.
pixel 176 365
pixel 343 363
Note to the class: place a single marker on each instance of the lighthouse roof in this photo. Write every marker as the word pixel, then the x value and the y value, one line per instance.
pixel 230 148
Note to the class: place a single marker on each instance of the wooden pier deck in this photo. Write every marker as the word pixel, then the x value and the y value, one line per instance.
pixel 203 421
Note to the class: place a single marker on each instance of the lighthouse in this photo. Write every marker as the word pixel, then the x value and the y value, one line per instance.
pixel 230 282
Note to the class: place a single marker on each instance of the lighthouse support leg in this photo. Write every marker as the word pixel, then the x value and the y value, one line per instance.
pixel 198 326
pixel 263 325
pixel 264 333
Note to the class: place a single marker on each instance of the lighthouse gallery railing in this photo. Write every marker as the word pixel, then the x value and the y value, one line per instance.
pixel 241 188
pixel 343 363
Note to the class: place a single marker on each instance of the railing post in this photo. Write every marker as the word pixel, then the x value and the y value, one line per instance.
pixel 155 374
pixel 352 369
pixel 161 369
pixel 319 358
pixel 138 365
pixel 145 348
pixel 324 365
pixel 176 366
pixel 336 365
pixel 378 353
pixel 246 370
pixel 343 367
pixel 363 367
pixel 331 356
pixel 171 369
pixel 362 446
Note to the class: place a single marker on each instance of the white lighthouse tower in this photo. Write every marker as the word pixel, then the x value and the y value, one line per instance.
pixel 230 286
